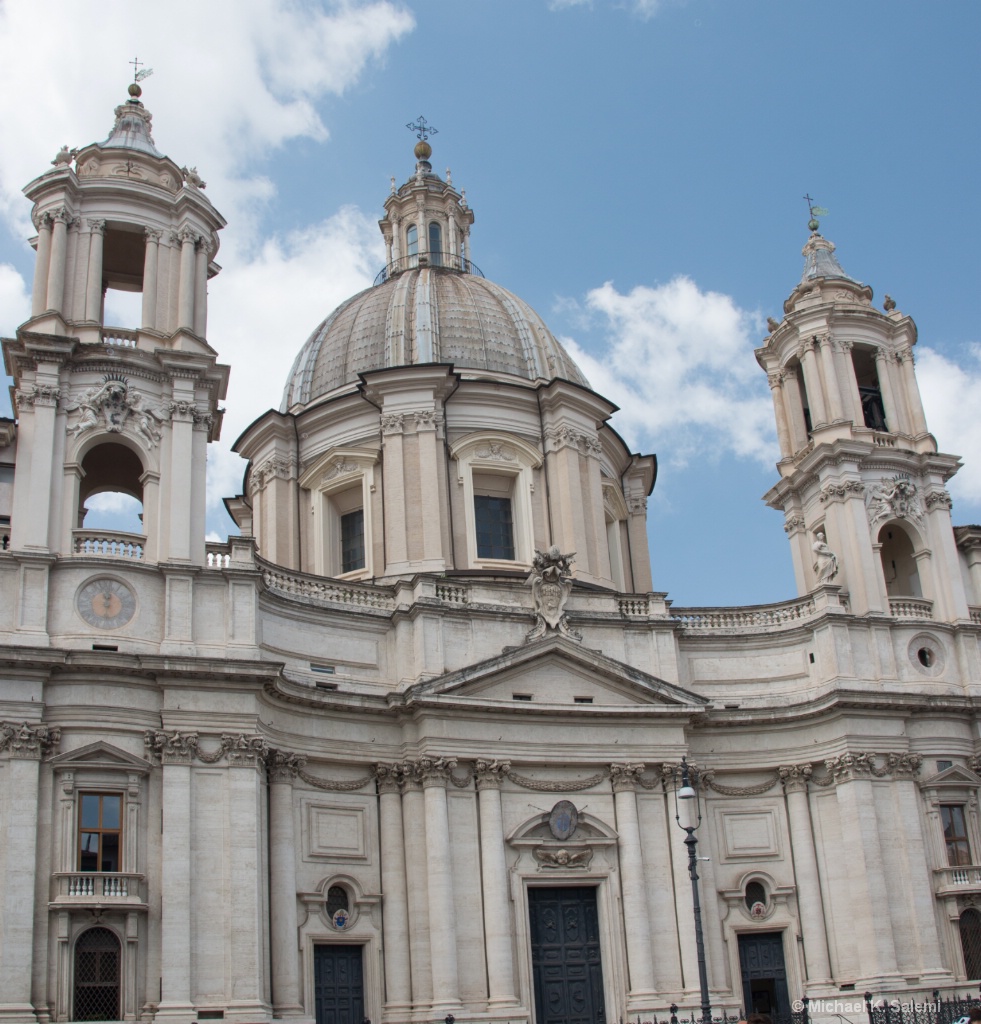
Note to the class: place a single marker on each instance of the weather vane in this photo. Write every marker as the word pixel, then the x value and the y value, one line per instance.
pixel 139 75
pixel 422 129
pixel 815 212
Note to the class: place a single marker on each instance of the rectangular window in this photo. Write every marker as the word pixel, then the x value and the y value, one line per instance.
pixel 352 540
pixel 955 834
pixel 100 829
pixel 495 529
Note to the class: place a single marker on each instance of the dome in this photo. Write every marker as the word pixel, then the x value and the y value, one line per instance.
pixel 427 315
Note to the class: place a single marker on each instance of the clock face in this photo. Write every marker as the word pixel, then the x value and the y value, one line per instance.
pixel 106 603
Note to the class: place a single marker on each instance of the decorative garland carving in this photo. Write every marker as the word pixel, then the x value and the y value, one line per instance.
pixel 571 786
pixel 847 767
pixel 30 742
pixel 183 748
pixel 757 790
pixel 335 785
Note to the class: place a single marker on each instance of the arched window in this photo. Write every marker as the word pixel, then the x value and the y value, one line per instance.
pixel 898 562
pixel 412 241
pixel 869 388
pixel 96 994
pixel 435 244
pixel 970 928
pixel 110 499
pixel 755 893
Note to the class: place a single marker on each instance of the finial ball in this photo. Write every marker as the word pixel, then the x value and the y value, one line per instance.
pixel 423 151
pixel 813 224
pixel 135 91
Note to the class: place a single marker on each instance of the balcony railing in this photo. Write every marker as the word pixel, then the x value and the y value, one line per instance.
pixel 910 608
pixel 98 887
pixel 441 260
pixel 119 337
pixel 104 544
pixel 962 879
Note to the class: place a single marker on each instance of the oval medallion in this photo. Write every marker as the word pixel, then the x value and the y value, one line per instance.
pixel 563 820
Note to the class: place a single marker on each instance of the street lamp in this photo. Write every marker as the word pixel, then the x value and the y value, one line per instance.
pixel 684 795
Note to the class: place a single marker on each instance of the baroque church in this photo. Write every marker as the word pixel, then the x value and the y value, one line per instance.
pixel 423 741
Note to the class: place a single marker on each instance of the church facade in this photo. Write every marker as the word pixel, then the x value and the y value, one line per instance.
pixel 410 746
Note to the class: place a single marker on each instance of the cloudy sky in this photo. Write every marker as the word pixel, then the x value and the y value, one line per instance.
pixel 636 168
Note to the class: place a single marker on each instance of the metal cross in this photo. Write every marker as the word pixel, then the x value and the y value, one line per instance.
pixel 422 129
pixel 136 62
pixel 809 201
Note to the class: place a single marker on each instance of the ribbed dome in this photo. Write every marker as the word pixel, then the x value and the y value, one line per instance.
pixel 427 315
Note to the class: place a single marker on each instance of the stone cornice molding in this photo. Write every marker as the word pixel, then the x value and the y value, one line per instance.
pixel 624 777
pixel 28 742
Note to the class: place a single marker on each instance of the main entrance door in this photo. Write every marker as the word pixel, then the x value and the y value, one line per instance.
pixel 96 993
pixel 764 974
pixel 565 956
pixel 338 984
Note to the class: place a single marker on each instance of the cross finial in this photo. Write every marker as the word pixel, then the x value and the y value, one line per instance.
pixel 814 212
pixel 137 64
pixel 421 128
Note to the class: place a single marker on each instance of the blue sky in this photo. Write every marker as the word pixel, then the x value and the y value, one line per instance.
pixel 636 170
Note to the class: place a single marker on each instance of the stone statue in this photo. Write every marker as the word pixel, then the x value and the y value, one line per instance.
pixel 64 156
pixel 826 561
pixel 191 177
pixel 551 582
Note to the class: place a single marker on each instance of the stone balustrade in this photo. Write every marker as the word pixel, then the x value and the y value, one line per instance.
pixel 964 878
pixel 109 544
pixel 98 887
pixel 787 614
pixel 910 608
pixel 119 337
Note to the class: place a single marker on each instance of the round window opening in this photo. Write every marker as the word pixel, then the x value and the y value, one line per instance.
pixel 926 654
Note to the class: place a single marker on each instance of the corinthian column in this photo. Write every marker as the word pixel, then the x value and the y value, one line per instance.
pixel 635 910
pixel 42 265
pixel 812 927
pixel 59 253
pixel 417 896
pixel 93 286
pixel 493 870
pixel 185 299
pixel 283 767
pixel 398 982
pixel 442 915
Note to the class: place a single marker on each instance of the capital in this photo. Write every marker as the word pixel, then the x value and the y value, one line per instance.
pixel 28 742
pixel 284 765
pixel 624 776
pixel 795 777
pixel 490 774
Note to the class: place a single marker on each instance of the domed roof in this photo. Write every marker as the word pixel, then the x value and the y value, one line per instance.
pixel 427 315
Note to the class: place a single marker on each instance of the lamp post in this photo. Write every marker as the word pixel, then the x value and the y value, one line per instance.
pixel 683 795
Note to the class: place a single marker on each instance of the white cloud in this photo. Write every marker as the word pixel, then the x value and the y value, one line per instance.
pixel 15 300
pixel 950 397
pixel 234 80
pixel 678 361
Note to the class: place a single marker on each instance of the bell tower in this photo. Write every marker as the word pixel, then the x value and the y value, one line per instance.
pixel 862 485
pixel 108 409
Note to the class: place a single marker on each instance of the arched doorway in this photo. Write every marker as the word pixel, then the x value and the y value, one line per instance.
pixel 899 566
pixel 96 989
pixel 970 928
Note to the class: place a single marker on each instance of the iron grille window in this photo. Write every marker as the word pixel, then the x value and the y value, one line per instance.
pixel 96 976
pixel 955 834
pixel 336 900
pixel 495 529
pixel 352 540
pixel 755 893
pixel 99 832
pixel 970 928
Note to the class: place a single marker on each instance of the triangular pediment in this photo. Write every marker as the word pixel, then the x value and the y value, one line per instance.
pixel 99 755
pixel 553 671
pixel 956 775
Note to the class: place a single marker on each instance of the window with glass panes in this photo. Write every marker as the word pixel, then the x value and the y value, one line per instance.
pixel 955 834
pixel 100 830
pixel 352 540
pixel 495 528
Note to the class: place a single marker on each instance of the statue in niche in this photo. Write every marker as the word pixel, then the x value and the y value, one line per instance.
pixel 551 583
pixel 826 561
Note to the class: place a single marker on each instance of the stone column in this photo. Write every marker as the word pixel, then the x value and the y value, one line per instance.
pixel 202 258
pixel 185 295
pixel 851 399
pixel 283 767
pixel 178 481
pixel 911 389
pixel 494 878
pixel 430 454
pixel 872 926
pixel 811 907
pixel 894 421
pixel 442 918
pixel 632 879
pixel 417 896
pixel 150 276
pixel 175 881
pixel 832 389
pixel 398 980
pixel 393 468
pixel 42 265
pixel 812 381
pixel 775 380
pixel 93 286
pixel 640 561
pixel 37 407
pixel 795 409
pixel 22 747
pixel 59 252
